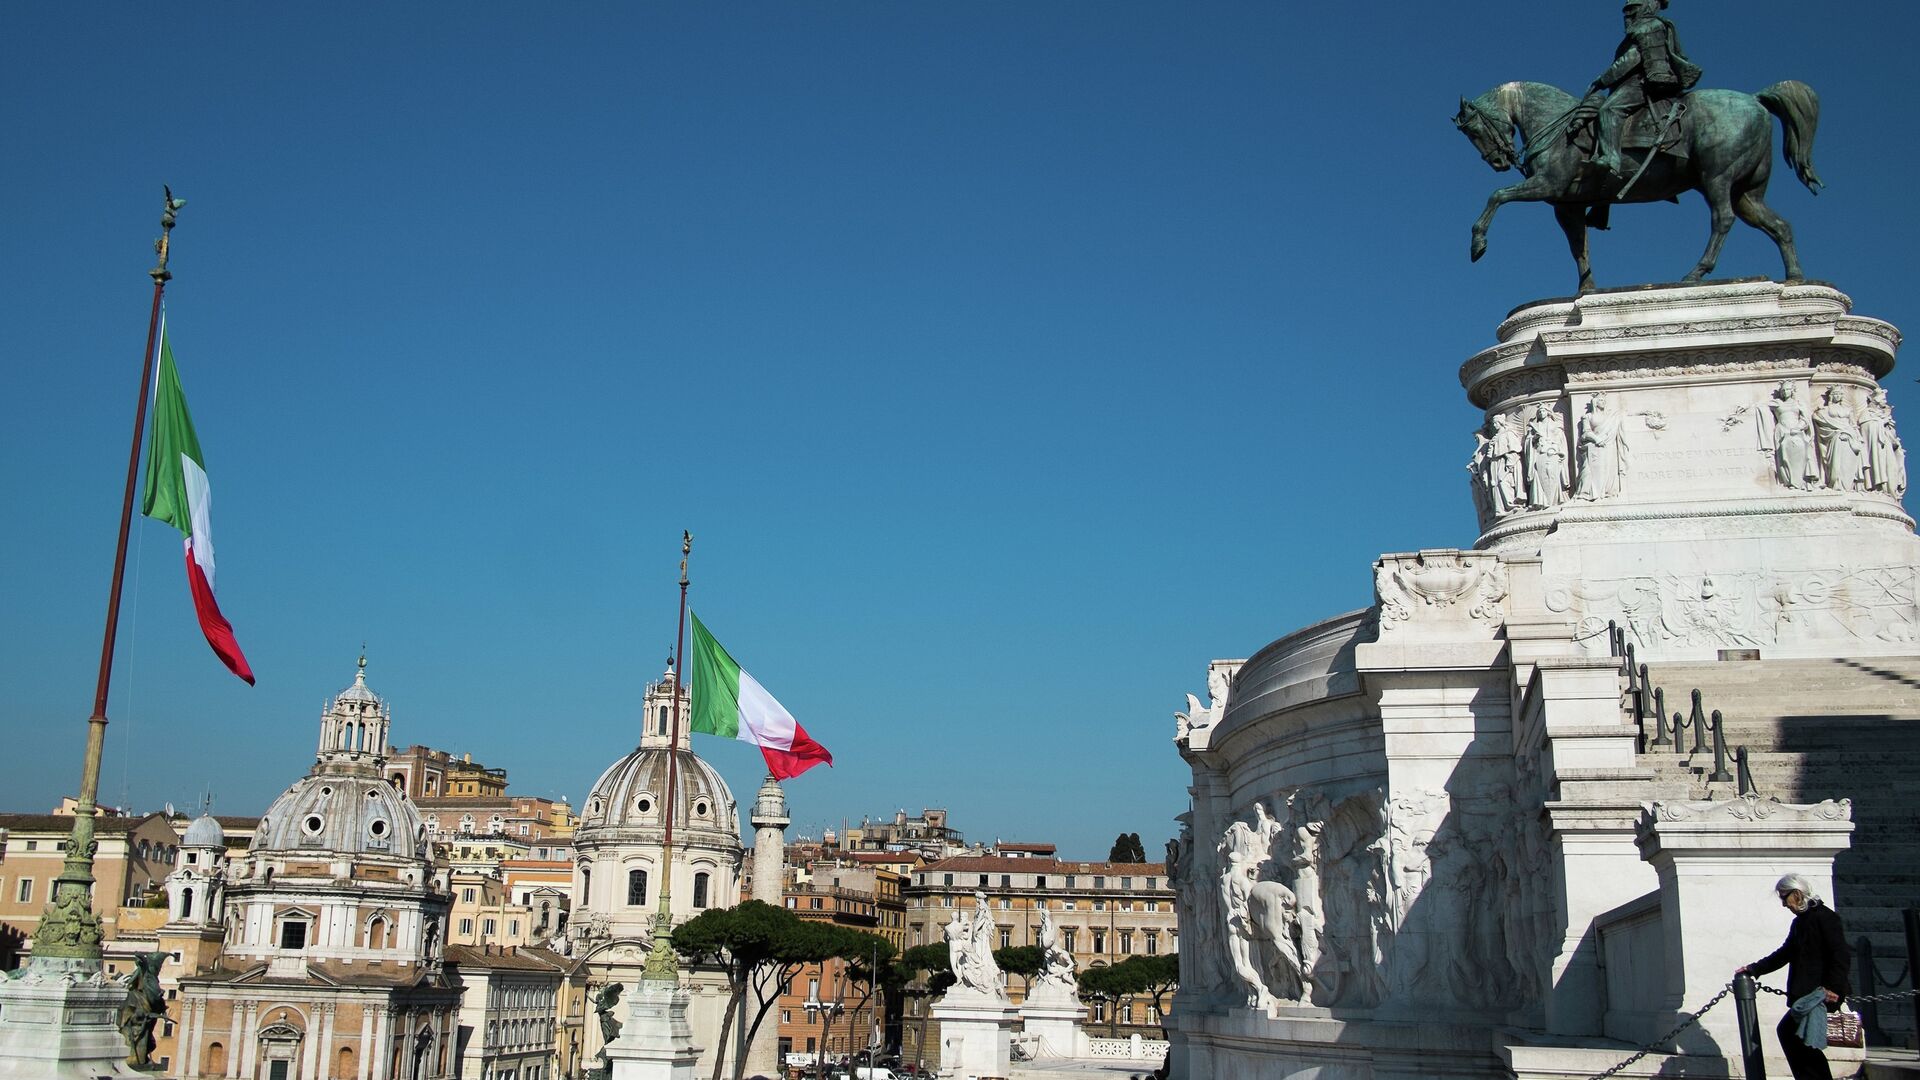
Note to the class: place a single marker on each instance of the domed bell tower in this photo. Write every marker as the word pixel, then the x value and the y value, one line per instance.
pixel 353 730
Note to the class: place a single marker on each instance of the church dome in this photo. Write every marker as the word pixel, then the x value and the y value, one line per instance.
pixel 348 815
pixel 630 793
pixel 344 805
pixel 204 832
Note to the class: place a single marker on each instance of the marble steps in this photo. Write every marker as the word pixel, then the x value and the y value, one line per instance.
pixel 1822 729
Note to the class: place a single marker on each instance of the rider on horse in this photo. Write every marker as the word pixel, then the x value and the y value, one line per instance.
pixel 1648 67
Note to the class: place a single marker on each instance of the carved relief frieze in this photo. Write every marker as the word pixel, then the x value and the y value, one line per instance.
pixel 1748 609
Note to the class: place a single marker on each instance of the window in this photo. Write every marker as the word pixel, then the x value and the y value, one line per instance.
pixel 488 926
pixel 466 896
pixel 1126 883
pixel 186 903
pixel 466 926
pixel 293 934
pixel 1006 881
pixel 1099 1012
pixel 1099 883
pixel 793 902
pixel 1070 878
pixel 1126 942
pixel 1153 943
pixel 1153 883
pixel 949 878
pixel 25 892
pixel 1099 905
pixel 1067 934
pixel 513 928
pixel 1099 942
pixel 700 889
pixel 1067 905
pixel 1006 937
pixel 636 888
pixel 1040 881
pixel 983 881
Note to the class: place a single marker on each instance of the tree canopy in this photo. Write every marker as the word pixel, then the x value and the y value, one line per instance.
pixel 1127 849
pixel 1154 976
pixel 761 947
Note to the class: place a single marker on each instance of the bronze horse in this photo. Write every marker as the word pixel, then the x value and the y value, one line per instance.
pixel 1728 158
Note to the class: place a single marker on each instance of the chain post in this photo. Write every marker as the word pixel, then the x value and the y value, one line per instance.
pixel 1868 1008
pixel 1720 775
pixel 1660 717
pixel 1698 718
pixel 1749 1013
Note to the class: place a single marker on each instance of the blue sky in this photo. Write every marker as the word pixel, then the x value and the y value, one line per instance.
pixel 1008 361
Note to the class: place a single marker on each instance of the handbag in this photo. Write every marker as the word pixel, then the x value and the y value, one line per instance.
pixel 1843 1029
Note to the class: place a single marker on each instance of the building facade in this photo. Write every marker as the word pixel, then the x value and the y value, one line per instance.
pixel 323 947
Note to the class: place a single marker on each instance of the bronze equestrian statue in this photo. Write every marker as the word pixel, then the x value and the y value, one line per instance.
pixel 1578 154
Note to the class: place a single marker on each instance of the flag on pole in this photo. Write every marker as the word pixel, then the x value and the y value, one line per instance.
pixel 177 493
pixel 732 704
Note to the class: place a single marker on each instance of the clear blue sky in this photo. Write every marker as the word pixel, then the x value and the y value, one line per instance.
pixel 1009 361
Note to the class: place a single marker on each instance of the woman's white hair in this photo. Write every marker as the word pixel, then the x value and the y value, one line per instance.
pixel 1796 883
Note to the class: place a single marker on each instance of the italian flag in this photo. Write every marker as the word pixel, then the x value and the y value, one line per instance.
pixel 177 493
pixel 730 703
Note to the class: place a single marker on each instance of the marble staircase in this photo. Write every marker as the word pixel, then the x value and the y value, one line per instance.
pixel 1822 729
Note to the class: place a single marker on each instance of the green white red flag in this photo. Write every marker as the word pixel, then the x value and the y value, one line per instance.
pixel 732 704
pixel 178 494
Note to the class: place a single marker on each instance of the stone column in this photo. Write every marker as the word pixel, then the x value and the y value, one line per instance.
pixel 770 820
pixel 192 1055
pixel 383 1044
pixel 233 1038
pixel 1717 863
pixel 250 1040
pixel 309 1062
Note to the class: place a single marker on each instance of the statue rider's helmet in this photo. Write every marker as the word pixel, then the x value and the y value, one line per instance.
pixel 1637 8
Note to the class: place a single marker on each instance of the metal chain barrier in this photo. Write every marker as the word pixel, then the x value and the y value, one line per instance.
pixel 1692 1019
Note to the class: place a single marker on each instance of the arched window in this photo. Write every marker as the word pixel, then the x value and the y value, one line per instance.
pixel 186 903
pixel 346 1063
pixel 586 885
pixel 700 889
pixel 663 721
pixel 377 933
pixel 636 888
pixel 217 1060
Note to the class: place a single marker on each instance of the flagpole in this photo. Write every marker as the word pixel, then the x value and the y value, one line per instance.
pixel 69 929
pixel 662 965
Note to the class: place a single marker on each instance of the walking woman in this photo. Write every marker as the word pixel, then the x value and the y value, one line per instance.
pixel 1817 958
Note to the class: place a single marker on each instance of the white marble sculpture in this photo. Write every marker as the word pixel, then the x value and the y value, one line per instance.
pixel 1547 473
pixel 1787 431
pixel 1603 450
pixel 970 951
pixel 1836 431
pixel 1886 467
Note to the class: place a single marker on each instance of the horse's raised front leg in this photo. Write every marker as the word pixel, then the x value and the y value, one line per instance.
pixel 1720 200
pixel 1532 189
pixel 1573 222
pixel 1753 210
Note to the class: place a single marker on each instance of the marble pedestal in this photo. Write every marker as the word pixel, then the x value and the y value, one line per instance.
pixel 656 1042
pixel 1718 862
pixel 57 1023
pixel 1052 1022
pixel 976 1036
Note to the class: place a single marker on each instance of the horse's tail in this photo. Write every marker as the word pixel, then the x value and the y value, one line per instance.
pixel 1798 108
